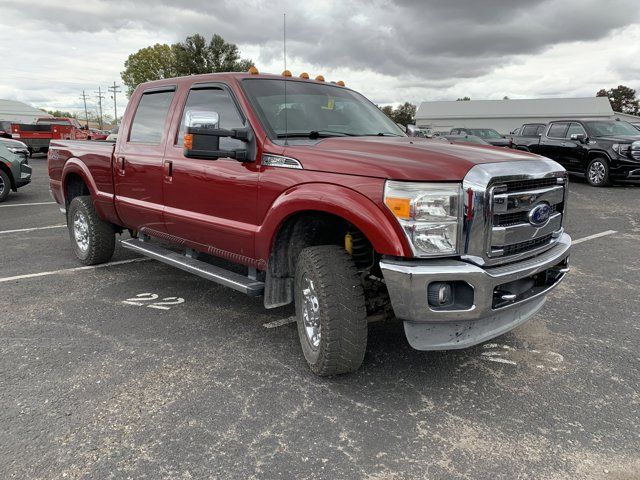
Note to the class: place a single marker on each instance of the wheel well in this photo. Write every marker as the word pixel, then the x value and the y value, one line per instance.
pixel 598 154
pixel 7 170
pixel 75 186
pixel 308 229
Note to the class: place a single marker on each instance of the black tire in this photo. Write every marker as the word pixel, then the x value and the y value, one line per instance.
pixel 93 240
pixel 598 172
pixel 329 276
pixel 5 186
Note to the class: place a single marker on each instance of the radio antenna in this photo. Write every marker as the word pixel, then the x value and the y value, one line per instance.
pixel 284 48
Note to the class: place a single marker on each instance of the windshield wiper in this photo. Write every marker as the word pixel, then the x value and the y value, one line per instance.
pixel 313 134
pixel 381 134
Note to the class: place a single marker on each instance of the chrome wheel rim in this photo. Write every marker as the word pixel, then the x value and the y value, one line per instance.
pixel 597 172
pixel 311 313
pixel 81 231
pixel 1 185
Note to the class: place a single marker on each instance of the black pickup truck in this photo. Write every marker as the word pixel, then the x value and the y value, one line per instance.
pixel 601 150
pixel 527 135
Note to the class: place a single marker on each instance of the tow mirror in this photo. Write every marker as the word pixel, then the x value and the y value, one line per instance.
pixel 578 137
pixel 202 137
pixel 414 131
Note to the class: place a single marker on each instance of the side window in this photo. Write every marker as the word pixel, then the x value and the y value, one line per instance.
pixel 557 130
pixel 540 129
pixel 148 122
pixel 529 131
pixel 214 100
pixel 575 128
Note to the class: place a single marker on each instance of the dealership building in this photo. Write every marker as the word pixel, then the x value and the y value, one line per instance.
pixel 507 115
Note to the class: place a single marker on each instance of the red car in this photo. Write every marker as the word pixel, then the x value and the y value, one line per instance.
pixel 325 203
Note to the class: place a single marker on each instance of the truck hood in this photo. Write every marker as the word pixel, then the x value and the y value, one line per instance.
pixel 400 158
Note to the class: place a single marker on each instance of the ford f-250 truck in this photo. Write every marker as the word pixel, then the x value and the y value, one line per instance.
pixel 324 202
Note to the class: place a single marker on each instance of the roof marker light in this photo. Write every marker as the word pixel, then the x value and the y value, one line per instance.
pixel 286 73
pixel 340 82
pixel 253 71
pixel 320 78
pixel 304 75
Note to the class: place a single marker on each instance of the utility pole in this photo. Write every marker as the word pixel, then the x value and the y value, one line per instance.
pixel 115 89
pixel 86 114
pixel 100 97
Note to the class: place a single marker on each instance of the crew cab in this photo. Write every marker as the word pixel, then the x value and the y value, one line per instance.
pixel 601 150
pixel 526 135
pixel 37 136
pixel 302 191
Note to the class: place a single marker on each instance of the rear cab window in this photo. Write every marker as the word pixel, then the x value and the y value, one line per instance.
pixel 149 120
pixel 557 130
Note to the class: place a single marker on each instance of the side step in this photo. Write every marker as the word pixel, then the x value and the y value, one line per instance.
pixel 253 288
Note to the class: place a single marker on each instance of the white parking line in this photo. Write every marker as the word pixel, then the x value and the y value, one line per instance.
pixel 26 204
pixel 32 229
pixel 279 323
pixel 591 237
pixel 71 270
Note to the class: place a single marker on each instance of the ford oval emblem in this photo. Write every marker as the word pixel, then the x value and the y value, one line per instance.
pixel 539 215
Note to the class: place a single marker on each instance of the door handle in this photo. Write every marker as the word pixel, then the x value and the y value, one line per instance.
pixel 168 170
pixel 120 161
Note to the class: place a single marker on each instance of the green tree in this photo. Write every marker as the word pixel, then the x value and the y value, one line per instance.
pixel 59 113
pixel 405 114
pixel 463 99
pixel 191 57
pixel 622 99
pixel 149 63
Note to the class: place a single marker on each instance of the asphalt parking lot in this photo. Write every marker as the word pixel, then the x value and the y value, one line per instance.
pixel 138 370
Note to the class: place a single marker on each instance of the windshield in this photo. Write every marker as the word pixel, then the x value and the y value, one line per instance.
pixel 485 132
pixel 607 128
pixel 315 110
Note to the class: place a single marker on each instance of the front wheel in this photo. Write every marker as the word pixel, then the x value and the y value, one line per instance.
pixel 330 310
pixel 5 186
pixel 93 239
pixel 598 173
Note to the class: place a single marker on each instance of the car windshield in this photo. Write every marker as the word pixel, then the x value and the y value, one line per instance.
pixel 607 128
pixel 315 110
pixel 485 133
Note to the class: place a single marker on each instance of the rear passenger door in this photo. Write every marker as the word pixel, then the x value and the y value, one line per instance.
pixel 137 167
pixel 551 143
pixel 572 153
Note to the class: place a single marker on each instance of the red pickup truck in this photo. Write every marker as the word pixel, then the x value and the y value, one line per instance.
pixel 37 136
pixel 310 194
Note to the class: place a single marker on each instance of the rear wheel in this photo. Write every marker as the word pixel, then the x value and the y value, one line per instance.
pixel 598 173
pixel 92 238
pixel 330 310
pixel 5 186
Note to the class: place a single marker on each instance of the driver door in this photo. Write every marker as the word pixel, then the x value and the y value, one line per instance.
pixel 211 203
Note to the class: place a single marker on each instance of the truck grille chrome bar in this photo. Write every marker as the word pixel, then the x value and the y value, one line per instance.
pixel 515 216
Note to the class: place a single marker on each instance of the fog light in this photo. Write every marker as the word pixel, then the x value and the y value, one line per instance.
pixel 440 294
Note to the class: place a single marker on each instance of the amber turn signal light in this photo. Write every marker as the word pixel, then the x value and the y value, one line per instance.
pixel 401 207
pixel 188 141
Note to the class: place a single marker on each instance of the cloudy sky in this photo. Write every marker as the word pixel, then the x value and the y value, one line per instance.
pixel 393 51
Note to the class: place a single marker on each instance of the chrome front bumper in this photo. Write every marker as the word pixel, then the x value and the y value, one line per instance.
pixel 430 328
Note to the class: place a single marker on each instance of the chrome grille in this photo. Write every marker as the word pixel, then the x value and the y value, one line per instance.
pixel 499 226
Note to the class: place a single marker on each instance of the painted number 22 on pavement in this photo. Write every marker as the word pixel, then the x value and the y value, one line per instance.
pixel 142 299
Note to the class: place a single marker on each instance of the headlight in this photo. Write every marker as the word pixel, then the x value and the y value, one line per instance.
pixel 429 213
pixel 621 148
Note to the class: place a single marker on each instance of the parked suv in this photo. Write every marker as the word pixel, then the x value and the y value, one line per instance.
pixel 601 150
pixel 489 135
pixel 15 171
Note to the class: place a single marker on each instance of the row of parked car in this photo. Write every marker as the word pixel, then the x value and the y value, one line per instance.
pixel 603 151
pixel 15 171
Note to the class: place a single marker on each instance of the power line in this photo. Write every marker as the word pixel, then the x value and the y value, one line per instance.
pixel 86 114
pixel 115 89
pixel 100 97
